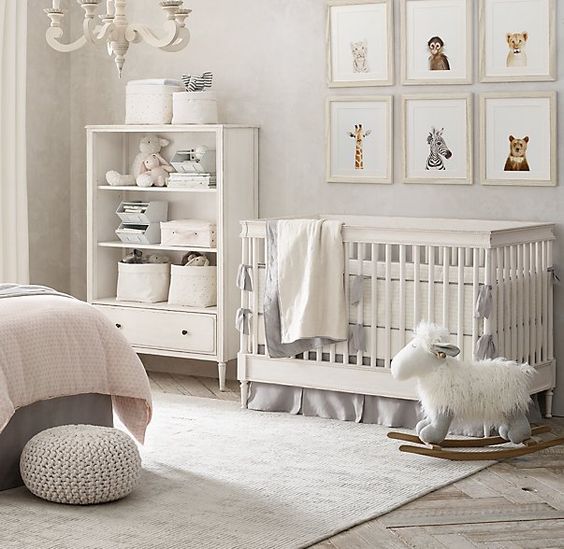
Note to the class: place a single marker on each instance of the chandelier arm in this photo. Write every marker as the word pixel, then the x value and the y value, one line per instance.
pixel 137 32
pixel 181 42
pixel 54 34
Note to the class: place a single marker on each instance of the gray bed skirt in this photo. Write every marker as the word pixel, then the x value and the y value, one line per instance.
pixel 92 409
pixel 390 412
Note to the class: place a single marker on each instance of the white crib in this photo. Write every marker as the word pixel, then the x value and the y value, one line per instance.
pixel 418 269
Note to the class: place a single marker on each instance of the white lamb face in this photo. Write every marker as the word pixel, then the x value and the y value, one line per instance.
pixel 414 360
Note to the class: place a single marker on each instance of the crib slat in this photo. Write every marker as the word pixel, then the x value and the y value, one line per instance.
pixel 501 303
pixel 519 300
pixel 346 357
pixel 538 268
pixel 475 290
pixel 550 310
pixel 490 279
pixel 430 250
pixel 416 284
pixel 402 277
pixel 446 282
pixel 388 304
pixel 255 294
pixel 533 305
pixel 513 288
pixel 460 337
pixel 544 302
pixel 507 299
pixel 360 306
pixel 243 338
pixel 527 303
pixel 374 294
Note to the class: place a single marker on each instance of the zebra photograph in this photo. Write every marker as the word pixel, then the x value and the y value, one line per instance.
pixel 438 150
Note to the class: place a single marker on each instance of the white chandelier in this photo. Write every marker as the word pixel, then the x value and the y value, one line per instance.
pixel 116 31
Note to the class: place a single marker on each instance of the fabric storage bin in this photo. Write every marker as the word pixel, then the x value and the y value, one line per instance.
pixel 194 108
pixel 132 233
pixel 188 232
pixel 143 213
pixel 150 101
pixel 143 282
pixel 193 286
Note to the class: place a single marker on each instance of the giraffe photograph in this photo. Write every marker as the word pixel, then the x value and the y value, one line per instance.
pixel 436 41
pixel 518 138
pixel 360 43
pixel 360 140
pixel 437 138
pixel 517 40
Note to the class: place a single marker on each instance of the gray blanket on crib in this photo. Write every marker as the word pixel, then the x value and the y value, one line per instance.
pixel 272 322
pixel 20 290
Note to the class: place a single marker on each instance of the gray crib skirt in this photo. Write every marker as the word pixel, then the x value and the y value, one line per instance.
pixel 390 412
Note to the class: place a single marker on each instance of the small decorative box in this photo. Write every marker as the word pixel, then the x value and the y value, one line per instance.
pixel 188 232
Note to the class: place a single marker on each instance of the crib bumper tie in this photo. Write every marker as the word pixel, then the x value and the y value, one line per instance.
pixel 244 279
pixel 356 338
pixel 356 289
pixel 485 348
pixel 484 302
pixel 243 320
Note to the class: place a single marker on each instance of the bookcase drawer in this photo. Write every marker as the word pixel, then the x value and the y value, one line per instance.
pixel 168 330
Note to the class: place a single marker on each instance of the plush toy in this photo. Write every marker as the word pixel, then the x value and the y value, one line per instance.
pixel 154 171
pixel 150 144
pixel 195 259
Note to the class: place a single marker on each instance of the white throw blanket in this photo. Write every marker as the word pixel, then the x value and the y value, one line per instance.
pixel 310 260
pixel 53 346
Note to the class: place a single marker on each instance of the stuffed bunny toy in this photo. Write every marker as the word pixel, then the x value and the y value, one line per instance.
pixel 154 171
pixel 150 144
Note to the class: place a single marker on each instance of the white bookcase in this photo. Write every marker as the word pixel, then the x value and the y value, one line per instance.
pixel 161 329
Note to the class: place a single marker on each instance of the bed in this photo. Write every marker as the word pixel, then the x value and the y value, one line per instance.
pixel 410 270
pixel 62 362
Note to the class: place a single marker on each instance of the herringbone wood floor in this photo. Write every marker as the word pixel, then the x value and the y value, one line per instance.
pixel 514 504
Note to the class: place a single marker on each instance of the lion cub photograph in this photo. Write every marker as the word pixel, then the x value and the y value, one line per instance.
pixel 517 56
pixel 517 159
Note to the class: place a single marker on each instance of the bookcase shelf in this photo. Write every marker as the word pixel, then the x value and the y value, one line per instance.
pixel 153 328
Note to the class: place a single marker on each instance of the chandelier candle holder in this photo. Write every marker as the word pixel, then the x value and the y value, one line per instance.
pixel 114 28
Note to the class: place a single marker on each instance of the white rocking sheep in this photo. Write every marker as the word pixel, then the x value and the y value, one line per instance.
pixel 492 392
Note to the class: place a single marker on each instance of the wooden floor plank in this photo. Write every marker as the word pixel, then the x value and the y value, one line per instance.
pixel 193 386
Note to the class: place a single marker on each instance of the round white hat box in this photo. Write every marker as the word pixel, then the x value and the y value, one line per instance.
pixel 194 108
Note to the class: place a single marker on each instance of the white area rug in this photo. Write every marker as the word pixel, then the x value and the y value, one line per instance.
pixel 219 477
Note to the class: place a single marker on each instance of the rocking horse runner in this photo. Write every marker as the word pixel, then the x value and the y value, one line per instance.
pixel 492 392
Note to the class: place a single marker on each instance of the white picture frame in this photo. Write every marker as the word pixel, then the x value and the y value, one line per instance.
pixel 436 42
pixel 360 139
pixel 517 41
pixel 531 157
pixel 360 43
pixel 437 146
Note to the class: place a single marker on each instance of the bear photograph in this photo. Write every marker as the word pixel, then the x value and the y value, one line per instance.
pixel 518 138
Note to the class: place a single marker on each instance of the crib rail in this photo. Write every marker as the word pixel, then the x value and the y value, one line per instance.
pixel 404 283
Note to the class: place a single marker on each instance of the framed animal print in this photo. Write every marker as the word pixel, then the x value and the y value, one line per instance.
pixel 360 139
pixel 518 139
pixel 517 40
pixel 360 43
pixel 437 139
pixel 436 41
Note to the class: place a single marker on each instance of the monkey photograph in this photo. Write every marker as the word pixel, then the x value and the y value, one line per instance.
pixel 438 61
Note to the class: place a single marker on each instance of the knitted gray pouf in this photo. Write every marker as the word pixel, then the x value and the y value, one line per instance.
pixel 80 464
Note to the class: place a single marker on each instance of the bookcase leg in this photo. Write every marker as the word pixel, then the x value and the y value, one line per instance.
pixel 221 367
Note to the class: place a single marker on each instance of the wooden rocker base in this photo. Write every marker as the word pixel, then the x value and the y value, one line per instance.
pixel 437 451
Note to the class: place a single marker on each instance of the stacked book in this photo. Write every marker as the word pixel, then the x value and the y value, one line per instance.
pixel 192 180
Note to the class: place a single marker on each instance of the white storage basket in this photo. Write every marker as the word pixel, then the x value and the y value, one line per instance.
pixel 139 234
pixel 149 103
pixel 193 286
pixel 188 232
pixel 143 282
pixel 194 108
pixel 143 213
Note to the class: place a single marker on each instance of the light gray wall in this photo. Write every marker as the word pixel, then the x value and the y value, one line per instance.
pixel 48 151
pixel 268 58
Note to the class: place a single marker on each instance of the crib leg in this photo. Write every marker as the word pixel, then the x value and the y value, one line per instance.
pixel 222 368
pixel 244 394
pixel 548 405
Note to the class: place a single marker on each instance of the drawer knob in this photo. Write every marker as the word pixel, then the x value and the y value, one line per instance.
pixel 118 326
pixel 185 332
